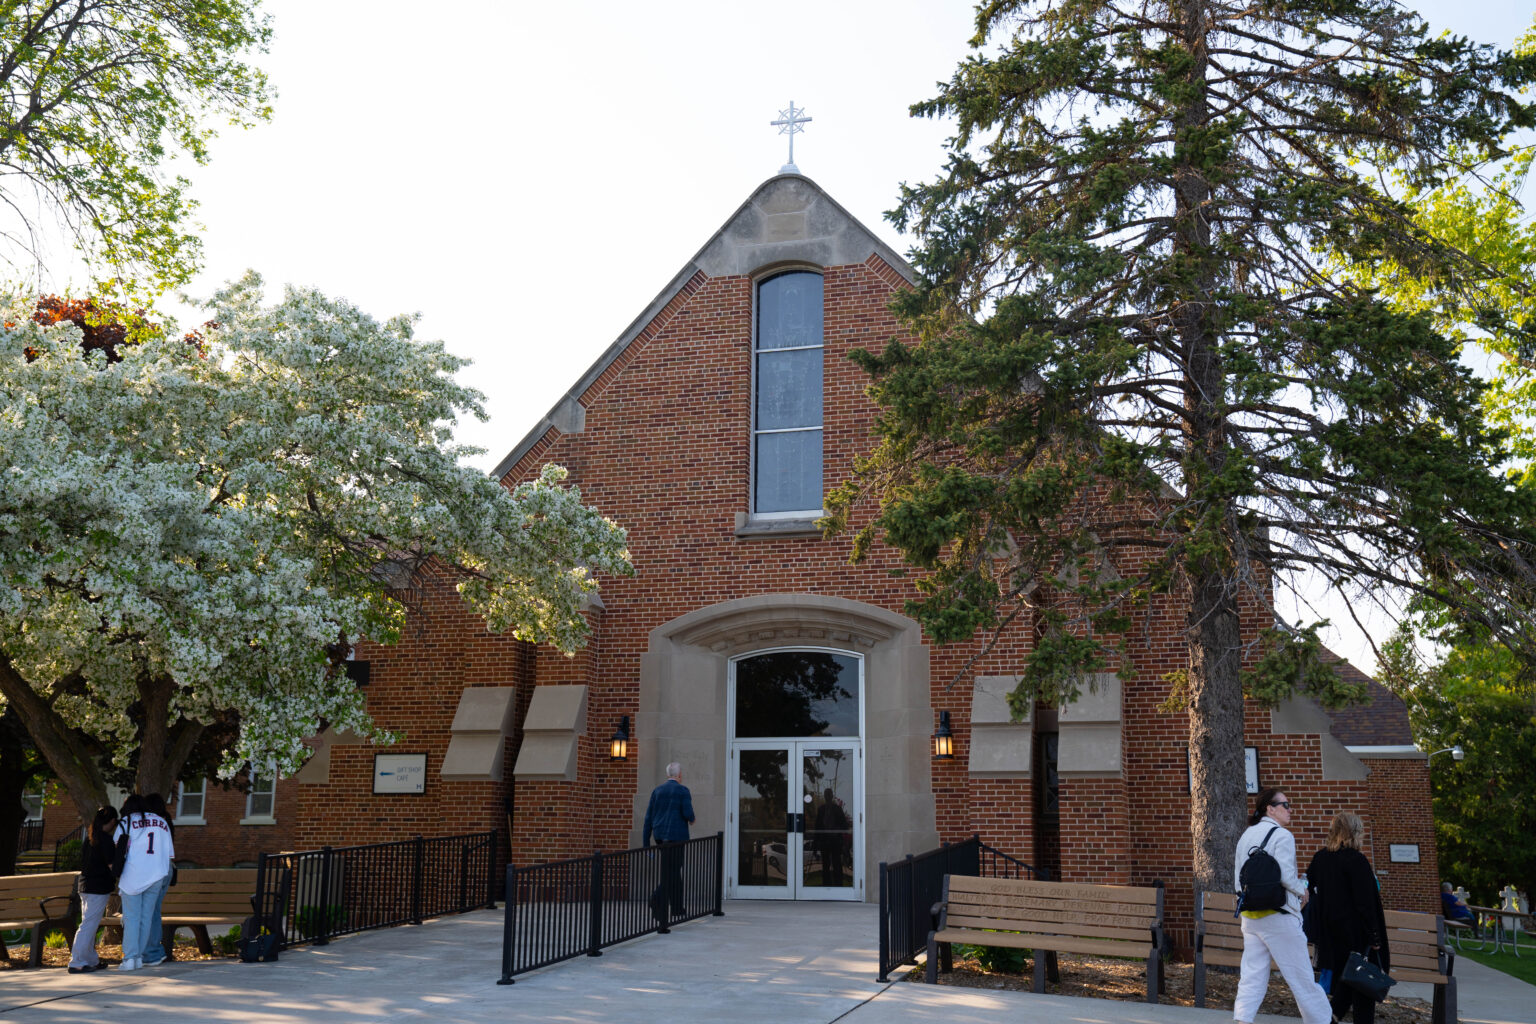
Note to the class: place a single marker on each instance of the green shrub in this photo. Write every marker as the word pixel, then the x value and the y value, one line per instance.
pixel 56 940
pixel 995 959
pixel 71 855
pixel 229 942
pixel 307 920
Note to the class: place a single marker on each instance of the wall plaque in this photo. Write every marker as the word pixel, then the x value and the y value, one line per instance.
pixel 399 773
pixel 1404 853
pixel 1250 770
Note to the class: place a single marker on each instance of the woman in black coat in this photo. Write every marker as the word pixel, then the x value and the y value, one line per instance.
pixel 1346 904
pixel 98 880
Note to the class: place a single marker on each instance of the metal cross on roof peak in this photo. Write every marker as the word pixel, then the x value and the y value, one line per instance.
pixel 789 123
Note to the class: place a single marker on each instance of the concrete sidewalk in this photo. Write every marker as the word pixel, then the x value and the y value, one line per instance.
pixel 775 963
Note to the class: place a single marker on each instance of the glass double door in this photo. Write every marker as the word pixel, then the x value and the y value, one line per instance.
pixel 797 819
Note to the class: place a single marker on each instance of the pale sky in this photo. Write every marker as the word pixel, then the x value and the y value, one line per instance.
pixel 528 176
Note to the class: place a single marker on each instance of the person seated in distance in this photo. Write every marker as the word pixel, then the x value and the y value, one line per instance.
pixel 1454 907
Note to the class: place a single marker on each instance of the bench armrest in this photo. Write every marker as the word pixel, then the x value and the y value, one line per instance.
pixel 42 905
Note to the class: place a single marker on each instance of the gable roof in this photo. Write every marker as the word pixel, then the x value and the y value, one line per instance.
pixel 786 218
pixel 1382 721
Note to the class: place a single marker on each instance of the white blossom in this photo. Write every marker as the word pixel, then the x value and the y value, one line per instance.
pixel 219 517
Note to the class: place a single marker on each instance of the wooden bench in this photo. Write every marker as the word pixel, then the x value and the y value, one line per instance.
pixel 38 903
pixel 1419 953
pixel 1417 942
pixel 1218 936
pixel 1050 918
pixel 203 897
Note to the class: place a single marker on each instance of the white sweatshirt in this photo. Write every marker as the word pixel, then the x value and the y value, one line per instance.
pixel 1282 847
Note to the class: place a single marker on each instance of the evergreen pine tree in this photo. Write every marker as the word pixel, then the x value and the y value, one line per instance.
pixel 1138 389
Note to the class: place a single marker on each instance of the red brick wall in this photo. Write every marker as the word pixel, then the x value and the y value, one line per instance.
pixel 223 841
pixel 1398 792
pixel 414 691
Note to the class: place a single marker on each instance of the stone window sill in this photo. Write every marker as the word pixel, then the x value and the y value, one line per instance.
pixel 747 527
pixel 259 821
pixel 189 820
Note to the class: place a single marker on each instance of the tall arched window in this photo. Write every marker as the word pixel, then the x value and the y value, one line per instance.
pixel 786 407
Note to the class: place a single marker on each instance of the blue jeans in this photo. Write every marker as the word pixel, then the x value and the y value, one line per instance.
pixel 153 950
pixel 137 908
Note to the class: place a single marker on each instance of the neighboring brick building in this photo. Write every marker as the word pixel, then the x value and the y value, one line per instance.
pixel 747 648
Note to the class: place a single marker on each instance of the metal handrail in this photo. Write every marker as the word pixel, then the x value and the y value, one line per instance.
pixel 574 907
pixel 340 890
pixel 909 888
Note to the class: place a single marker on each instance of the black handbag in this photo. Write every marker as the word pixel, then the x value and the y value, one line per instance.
pixel 1366 978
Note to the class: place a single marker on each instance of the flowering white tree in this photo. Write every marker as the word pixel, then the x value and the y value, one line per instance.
pixel 185 530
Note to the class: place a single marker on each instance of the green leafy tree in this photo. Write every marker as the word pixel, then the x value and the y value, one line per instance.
pixel 1136 385
pixel 95 97
pixel 1475 697
pixel 1489 298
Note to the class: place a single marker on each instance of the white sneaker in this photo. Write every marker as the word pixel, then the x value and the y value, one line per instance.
pixel 129 965
pixel 152 963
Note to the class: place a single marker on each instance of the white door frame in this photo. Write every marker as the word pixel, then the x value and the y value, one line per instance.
pixel 795 746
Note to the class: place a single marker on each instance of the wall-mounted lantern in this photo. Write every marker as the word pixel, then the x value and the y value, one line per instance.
pixel 618 747
pixel 943 740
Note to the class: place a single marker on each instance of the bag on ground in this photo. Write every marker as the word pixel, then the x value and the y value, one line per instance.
pixel 258 941
pixel 1260 879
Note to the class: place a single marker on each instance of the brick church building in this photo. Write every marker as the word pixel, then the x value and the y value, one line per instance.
pixel 798 697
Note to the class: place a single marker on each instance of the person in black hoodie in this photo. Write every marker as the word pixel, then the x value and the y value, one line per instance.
pixel 1347 904
pixel 97 883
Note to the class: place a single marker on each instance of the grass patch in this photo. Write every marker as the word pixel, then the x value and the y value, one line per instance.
pixel 1522 967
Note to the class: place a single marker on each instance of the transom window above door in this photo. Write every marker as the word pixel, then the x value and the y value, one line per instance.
pixel 786 401
pixel 797 693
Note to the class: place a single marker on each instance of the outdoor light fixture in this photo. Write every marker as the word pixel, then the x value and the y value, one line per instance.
pixel 1457 754
pixel 943 740
pixel 618 747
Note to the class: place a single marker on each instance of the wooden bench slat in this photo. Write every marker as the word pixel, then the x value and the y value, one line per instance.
pixel 1225 958
pixel 958 920
pixel 1054 890
pixel 970 905
pixel 1033 907
pixel 1223 901
pixel 1411 919
pixel 1400 935
pixel 1432 977
pixel 1010 939
pixel 1053 943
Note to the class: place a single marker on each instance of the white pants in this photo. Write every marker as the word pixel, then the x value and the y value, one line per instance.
pixel 92 906
pixel 1278 937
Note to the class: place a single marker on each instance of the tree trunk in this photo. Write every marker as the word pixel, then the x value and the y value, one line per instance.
pixel 164 746
pixel 1216 775
pixel 1214 684
pixel 14 776
pixel 72 763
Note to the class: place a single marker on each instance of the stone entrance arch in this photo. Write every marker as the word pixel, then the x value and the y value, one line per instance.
pixel 682 716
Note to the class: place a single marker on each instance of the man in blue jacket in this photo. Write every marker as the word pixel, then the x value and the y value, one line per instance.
pixel 667 820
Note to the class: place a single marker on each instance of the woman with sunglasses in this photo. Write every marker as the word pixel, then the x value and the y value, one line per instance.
pixel 1275 935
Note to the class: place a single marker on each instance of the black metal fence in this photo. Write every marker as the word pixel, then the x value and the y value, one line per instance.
pixel 30 837
pixel 317 894
pixel 909 888
pixel 67 857
pixel 568 908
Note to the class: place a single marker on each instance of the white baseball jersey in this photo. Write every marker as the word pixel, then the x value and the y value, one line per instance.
pixel 149 852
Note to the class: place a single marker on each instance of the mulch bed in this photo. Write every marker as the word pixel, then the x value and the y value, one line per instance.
pixel 1101 978
pixel 58 956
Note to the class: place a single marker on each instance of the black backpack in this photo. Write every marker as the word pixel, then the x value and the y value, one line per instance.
pixel 1260 879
